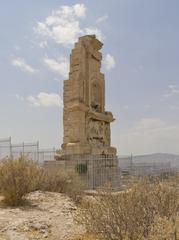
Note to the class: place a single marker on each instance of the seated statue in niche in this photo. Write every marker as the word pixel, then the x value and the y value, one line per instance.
pixel 95 106
pixel 95 133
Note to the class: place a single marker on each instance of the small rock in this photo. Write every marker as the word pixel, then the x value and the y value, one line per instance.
pixel 12 235
pixel 45 235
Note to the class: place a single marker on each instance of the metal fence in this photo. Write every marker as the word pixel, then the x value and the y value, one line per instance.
pixel 94 170
pixel 46 155
pixel 127 164
pixel 29 150
pixel 97 170
pixel 5 147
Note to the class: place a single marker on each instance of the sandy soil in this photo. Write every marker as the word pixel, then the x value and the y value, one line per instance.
pixel 50 216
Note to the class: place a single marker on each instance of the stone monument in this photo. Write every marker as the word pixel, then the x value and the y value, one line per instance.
pixel 86 123
pixel 86 147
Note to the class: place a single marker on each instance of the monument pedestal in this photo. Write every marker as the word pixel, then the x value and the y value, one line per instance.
pixel 94 170
pixel 82 149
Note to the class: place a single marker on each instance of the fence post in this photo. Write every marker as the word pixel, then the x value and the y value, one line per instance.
pixel 38 151
pixel 131 164
pixel 54 153
pixel 23 149
pixel 10 146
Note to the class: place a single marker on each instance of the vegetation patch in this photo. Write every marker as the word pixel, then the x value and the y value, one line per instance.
pixel 149 210
pixel 17 178
pixel 82 168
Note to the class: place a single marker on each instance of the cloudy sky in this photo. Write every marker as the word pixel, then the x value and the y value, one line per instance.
pixel 140 62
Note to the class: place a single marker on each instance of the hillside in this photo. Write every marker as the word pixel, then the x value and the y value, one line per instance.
pixel 158 157
pixel 49 216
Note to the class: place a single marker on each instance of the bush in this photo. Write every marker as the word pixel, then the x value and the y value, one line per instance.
pixel 82 168
pixel 17 178
pixel 164 228
pixel 54 181
pixel 21 176
pixel 134 213
pixel 63 182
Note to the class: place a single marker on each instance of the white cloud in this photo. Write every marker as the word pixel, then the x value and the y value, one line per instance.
pixel 43 44
pixel 44 99
pixel 63 25
pixel 19 97
pixel 60 66
pixel 102 19
pixel 80 10
pixel 174 107
pixel 125 107
pixel 96 31
pixel 172 90
pixel 109 62
pixel 147 106
pixel 150 135
pixel 21 64
pixel 149 123
pixel 17 48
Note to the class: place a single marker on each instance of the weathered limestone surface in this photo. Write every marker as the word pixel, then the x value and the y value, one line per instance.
pixel 87 134
pixel 86 123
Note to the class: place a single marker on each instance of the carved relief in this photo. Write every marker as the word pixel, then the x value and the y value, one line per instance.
pixel 98 132
pixel 88 128
pixel 95 132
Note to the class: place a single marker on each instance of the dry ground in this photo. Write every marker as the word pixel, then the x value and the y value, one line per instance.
pixel 49 216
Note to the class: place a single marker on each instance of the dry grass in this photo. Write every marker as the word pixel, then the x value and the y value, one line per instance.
pixel 86 236
pixel 148 210
pixel 17 178
pixel 63 182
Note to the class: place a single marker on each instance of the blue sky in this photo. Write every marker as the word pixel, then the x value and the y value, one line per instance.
pixel 140 62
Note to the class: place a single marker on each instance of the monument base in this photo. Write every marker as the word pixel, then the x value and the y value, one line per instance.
pixel 87 149
pixel 94 170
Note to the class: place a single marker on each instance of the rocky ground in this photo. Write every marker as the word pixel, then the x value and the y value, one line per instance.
pixel 49 216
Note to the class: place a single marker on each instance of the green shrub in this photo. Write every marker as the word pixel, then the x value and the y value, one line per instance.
pixel 82 168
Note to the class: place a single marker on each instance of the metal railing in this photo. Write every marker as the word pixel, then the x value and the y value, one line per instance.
pixel 130 166
pixel 29 150
pixel 127 164
pixel 93 170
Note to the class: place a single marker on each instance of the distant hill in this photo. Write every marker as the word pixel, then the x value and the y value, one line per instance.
pixel 158 158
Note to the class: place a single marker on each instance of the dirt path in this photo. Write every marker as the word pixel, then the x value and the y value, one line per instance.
pixel 51 216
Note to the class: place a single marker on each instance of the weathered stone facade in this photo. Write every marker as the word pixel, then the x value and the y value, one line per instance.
pixel 86 123
pixel 86 147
